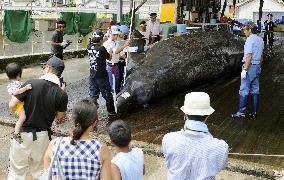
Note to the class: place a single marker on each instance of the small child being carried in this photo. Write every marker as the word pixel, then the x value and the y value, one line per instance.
pixel 14 73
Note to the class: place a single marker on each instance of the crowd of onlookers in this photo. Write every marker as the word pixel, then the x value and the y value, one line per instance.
pixel 191 153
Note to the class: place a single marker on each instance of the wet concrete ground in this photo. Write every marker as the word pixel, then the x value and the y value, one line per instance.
pixel 263 135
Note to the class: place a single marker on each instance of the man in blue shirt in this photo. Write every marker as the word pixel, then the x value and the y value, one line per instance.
pixel 252 61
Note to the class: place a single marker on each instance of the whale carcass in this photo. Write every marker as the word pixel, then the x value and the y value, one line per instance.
pixel 178 63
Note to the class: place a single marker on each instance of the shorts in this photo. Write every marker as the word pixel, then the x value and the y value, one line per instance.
pixel 19 107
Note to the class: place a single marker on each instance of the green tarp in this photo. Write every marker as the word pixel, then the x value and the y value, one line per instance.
pixel 17 25
pixel 69 18
pixel 78 22
pixel 84 22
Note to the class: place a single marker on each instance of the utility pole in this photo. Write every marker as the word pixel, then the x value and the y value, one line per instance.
pixel 260 15
pixel 119 10
pixel 177 11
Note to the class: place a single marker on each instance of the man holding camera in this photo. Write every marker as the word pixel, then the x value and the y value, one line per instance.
pixel 57 42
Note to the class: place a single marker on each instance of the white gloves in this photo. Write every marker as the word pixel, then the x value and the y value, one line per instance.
pixel 243 74
pixel 63 44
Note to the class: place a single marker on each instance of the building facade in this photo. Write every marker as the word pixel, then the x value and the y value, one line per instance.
pixel 249 9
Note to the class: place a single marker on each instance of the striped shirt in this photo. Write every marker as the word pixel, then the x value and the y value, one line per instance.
pixel 193 155
pixel 80 161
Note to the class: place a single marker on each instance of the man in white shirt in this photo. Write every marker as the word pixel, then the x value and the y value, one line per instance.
pixel 154 29
pixel 192 152
pixel 114 49
pixel 128 163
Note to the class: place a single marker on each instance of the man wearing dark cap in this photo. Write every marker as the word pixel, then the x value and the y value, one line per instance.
pixel 154 29
pixel 44 103
pixel 268 34
pixel 98 80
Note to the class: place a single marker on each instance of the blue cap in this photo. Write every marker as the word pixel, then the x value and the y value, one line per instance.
pixel 123 28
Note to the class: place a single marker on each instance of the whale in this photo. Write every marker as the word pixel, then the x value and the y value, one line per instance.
pixel 177 64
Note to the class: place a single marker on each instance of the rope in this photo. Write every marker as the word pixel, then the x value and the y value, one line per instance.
pixel 263 155
pixel 129 37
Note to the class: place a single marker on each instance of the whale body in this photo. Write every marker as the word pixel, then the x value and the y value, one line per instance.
pixel 177 64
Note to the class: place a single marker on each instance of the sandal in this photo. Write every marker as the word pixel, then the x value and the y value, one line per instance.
pixel 18 138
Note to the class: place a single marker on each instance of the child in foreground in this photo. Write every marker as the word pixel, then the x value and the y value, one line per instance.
pixel 14 73
pixel 128 164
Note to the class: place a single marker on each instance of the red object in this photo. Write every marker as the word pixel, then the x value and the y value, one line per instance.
pixel 112 68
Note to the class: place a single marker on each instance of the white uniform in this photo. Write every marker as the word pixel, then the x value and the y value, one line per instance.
pixel 155 27
pixel 109 44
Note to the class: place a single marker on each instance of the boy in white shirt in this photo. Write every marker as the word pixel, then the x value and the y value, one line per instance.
pixel 128 164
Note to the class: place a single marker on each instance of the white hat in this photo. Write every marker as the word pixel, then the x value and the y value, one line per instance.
pixel 197 103
pixel 114 30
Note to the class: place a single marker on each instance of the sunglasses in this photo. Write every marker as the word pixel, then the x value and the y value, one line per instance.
pixel 43 66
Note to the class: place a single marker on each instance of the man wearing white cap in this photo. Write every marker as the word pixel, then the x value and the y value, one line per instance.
pixel 114 49
pixel 193 153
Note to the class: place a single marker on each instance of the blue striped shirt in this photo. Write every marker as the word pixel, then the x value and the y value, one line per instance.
pixel 254 45
pixel 193 155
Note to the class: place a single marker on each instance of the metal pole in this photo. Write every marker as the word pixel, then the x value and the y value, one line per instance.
pixel 78 11
pixel 176 11
pixel 119 10
pixel 129 37
pixel 3 35
pixel 32 28
pixel 42 41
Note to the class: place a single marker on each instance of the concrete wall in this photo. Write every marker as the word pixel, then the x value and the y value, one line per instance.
pixel 36 59
pixel 38 43
pixel 246 10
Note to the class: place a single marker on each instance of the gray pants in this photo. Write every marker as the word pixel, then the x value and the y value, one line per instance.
pixel 27 155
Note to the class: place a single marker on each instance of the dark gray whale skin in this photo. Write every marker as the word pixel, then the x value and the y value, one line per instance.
pixel 177 64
